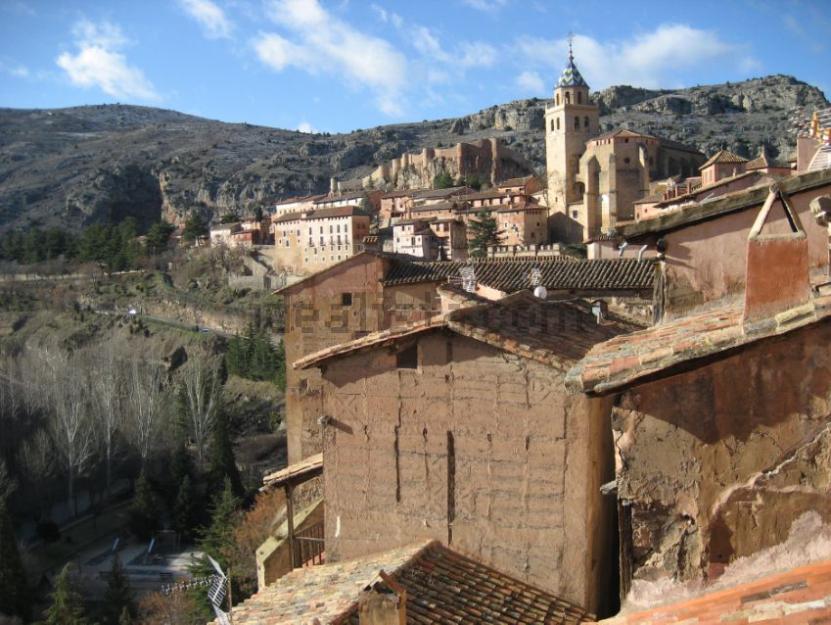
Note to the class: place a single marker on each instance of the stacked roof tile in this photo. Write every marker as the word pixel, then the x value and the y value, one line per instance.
pixel 723 156
pixel 511 275
pixel 442 586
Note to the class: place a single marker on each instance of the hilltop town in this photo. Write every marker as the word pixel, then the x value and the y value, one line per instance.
pixel 579 377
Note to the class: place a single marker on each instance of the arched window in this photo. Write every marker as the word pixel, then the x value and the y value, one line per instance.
pixel 552 124
pixel 557 99
pixel 586 121
pixel 568 97
pixel 558 123
pixel 579 97
pixel 577 123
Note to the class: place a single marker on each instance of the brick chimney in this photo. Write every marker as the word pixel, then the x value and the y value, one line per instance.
pixel 383 603
pixel 778 277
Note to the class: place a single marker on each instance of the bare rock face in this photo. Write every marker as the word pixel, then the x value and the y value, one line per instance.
pixel 90 164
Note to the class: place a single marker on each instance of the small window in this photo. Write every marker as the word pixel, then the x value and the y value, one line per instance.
pixel 407 358
pixel 576 123
pixel 346 299
pixel 552 124
pixel 586 121
pixel 558 123
pixel 579 97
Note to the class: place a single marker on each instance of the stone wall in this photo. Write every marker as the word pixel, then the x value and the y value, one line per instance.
pixel 716 463
pixel 478 448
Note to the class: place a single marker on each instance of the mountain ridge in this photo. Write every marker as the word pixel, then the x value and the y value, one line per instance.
pixel 80 165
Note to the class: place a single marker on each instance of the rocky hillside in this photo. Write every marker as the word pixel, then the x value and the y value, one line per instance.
pixel 80 165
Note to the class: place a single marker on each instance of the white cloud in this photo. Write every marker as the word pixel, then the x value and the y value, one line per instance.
pixel 477 54
pixel 306 127
pixel 210 16
pixel 14 69
pixel 489 6
pixel 653 59
pixel 98 63
pixel 322 43
pixel 530 82
pixel 387 16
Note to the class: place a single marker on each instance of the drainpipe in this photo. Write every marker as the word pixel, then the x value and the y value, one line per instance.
pixel 641 251
pixel 622 247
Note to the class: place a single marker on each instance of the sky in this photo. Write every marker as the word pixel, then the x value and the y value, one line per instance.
pixel 340 65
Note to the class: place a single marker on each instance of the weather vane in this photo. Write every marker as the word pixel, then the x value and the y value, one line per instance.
pixel 570 46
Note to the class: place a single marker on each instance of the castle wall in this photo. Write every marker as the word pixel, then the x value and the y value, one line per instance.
pixel 476 448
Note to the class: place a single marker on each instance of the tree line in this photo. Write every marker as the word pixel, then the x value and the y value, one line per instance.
pixel 116 246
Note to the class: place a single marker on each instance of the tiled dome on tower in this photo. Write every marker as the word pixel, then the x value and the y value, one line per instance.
pixel 571 76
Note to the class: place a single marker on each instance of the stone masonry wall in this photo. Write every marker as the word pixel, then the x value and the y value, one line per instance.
pixel 477 448
pixel 716 463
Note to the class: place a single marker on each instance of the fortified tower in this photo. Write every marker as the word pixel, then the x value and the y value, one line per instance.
pixel 569 123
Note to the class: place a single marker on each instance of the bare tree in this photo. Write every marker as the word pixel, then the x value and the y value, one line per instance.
pixel 71 421
pixel 200 394
pixel 106 383
pixel 144 386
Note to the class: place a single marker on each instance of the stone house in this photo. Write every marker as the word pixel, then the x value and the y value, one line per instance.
pixel 220 234
pixel 526 185
pixel 721 418
pixel 703 244
pixel 310 241
pixel 393 205
pixel 374 291
pixel 458 428
pixel 415 238
pixel 722 164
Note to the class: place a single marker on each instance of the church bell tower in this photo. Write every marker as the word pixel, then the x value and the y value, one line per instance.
pixel 569 123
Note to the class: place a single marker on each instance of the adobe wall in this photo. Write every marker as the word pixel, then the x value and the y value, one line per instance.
pixel 478 448
pixel 707 260
pixel 716 463
pixel 316 319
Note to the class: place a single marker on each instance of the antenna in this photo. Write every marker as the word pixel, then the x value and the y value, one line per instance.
pixel 536 277
pixel 217 588
pixel 468 275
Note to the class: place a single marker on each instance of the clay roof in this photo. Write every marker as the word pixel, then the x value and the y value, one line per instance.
pixel 354 195
pixel 723 156
pixel 510 275
pixel 296 473
pixel 661 349
pixel 396 193
pixel 442 586
pixel 483 195
pixel 302 198
pixel 801 595
pixel 515 182
pixel 822 159
pixel 625 133
pixel 522 324
pixel 426 194
pixel 322 213
pixel 703 210
pixel 438 206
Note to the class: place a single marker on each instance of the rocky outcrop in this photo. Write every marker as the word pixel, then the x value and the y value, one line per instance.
pixel 95 163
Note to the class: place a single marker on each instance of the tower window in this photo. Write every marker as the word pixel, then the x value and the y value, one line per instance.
pixel 568 97
pixel 579 98
pixel 576 123
pixel 557 99
pixel 552 124
pixel 558 123
pixel 586 121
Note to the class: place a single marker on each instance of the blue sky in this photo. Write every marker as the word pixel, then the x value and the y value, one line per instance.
pixel 338 65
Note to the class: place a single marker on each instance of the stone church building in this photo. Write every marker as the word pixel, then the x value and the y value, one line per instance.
pixel 594 179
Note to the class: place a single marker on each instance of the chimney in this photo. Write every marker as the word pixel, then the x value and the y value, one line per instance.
pixel 777 260
pixel 333 185
pixel 383 603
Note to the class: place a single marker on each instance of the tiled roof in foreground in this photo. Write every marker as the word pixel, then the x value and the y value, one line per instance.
pixel 442 585
pixel 802 595
pixel 511 275
pixel 550 332
pixel 623 360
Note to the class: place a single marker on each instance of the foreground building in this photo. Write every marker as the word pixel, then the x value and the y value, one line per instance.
pixel 459 429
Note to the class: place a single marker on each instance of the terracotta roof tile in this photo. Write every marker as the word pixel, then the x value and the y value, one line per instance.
pixel 511 275
pixel 442 586
pixel 426 194
pixel 321 213
pixel 550 332
pixel 514 182
pixel 624 360
pixel 723 156
pixel 299 471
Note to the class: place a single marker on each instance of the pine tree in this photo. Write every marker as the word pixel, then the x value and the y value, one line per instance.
pixel 218 538
pixel 485 232
pixel 14 596
pixel 118 597
pixel 442 180
pixel 144 512
pixel 184 509
pixel 223 463
pixel 66 608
